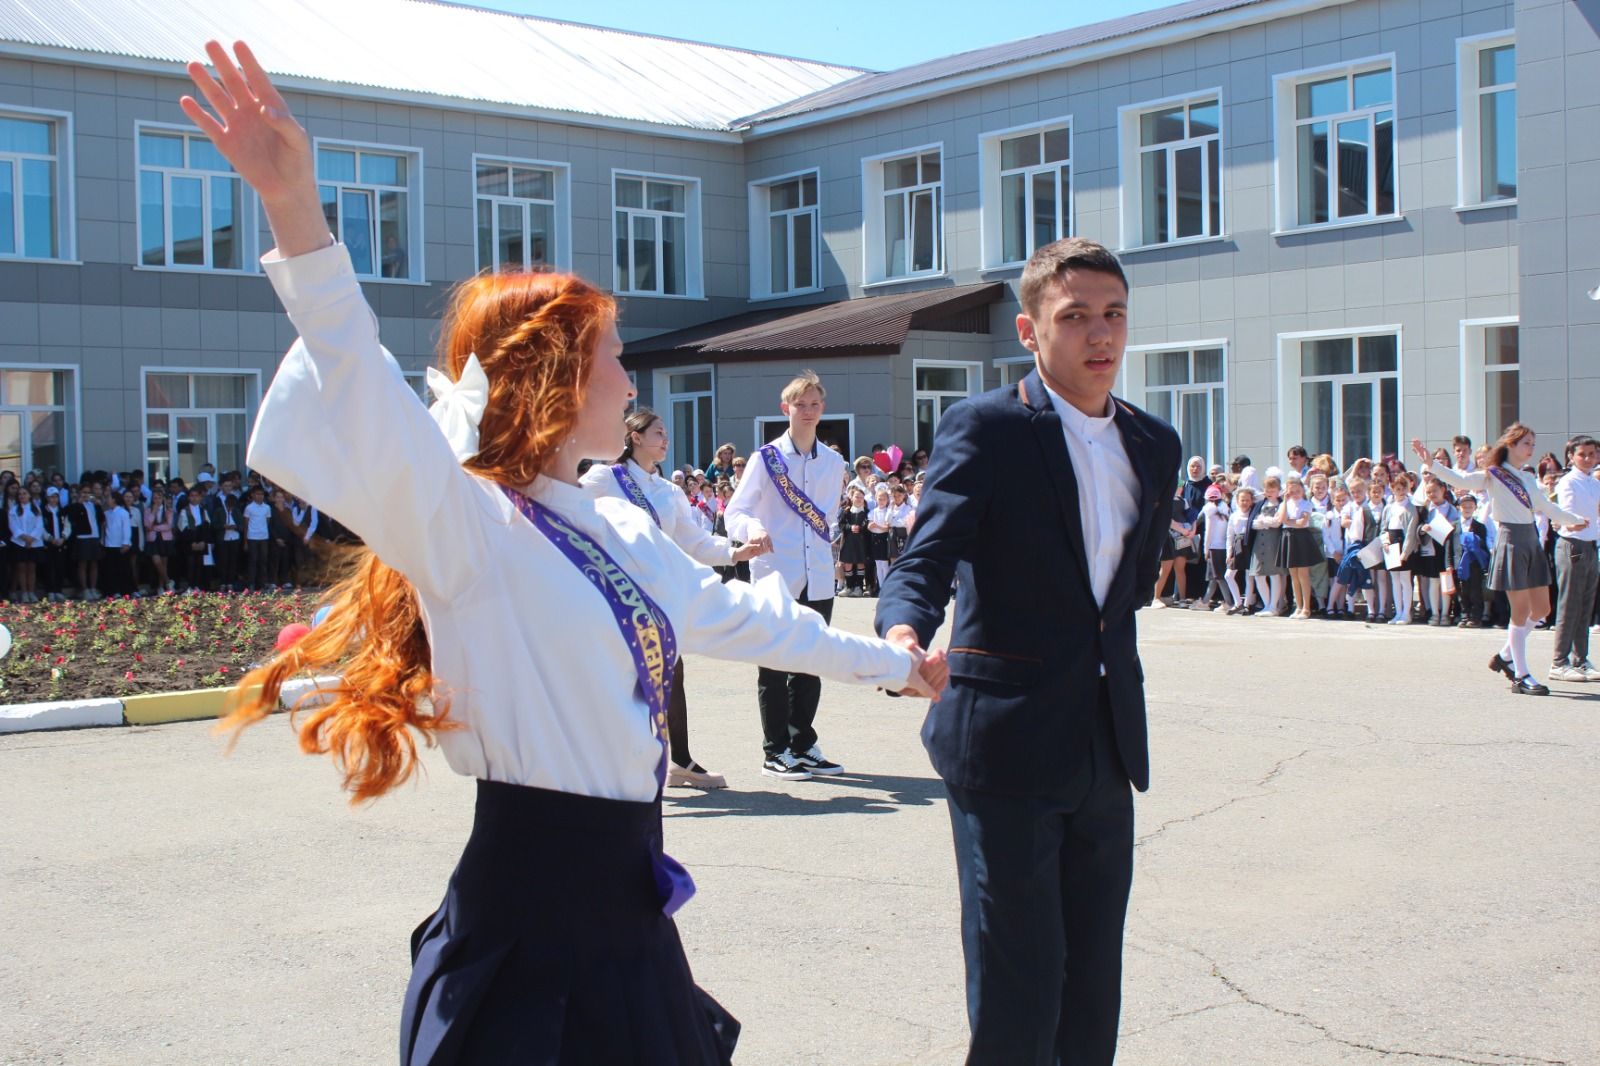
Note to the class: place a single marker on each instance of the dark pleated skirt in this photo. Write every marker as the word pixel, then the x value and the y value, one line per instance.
pixel 1301 548
pixel 1518 561
pixel 550 948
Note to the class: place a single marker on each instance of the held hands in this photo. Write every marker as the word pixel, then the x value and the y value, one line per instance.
pixel 930 673
pixel 760 546
pixel 254 131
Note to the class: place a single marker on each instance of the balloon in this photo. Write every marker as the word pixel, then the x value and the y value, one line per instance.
pixel 895 457
pixel 290 634
pixel 321 615
pixel 5 642
pixel 881 461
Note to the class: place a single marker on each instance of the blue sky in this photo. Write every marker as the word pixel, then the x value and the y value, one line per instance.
pixel 880 34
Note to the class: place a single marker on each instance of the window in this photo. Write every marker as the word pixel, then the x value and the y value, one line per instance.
pixel 35 188
pixel 34 431
pixel 937 387
pixel 785 236
pixel 191 203
pixel 831 430
pixel 521 214
pixel 417 381
pixel 369 199
pixel 904 215
pixel 1172 171
pixel 1336 145
pixel 1491 390
pixel 1347 398
pixel 1488 120
pixel 658 235
pixel 1185 388
pixel 690 411
pixel 1013 370
pixel 194 418
pixel 1027 185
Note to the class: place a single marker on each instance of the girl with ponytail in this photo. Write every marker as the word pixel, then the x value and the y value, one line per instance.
pixel 1518 566
pixel 489 572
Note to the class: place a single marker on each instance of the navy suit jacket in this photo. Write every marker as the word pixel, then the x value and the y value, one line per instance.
pixel 999 513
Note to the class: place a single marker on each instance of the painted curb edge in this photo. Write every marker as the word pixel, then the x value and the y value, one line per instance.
pixel 154 709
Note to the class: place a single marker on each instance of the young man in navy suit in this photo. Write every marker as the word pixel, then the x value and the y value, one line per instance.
pixel 1042 729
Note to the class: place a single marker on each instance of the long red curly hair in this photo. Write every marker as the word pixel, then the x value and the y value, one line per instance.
pixel 535 334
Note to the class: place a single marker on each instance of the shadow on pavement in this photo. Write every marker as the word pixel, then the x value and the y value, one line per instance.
pixel 889 794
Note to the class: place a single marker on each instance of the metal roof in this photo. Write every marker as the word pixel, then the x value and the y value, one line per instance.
pixel 439 50
pixel 867 85
pixel 872 325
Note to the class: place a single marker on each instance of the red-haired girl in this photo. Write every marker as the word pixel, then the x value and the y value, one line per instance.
pixel 488 573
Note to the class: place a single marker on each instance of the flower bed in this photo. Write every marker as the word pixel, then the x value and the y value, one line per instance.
pixel 124 647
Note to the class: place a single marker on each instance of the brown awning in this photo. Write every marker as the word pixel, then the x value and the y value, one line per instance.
pixel 872 325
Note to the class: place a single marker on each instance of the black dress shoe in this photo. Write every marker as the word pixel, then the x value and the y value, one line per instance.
pixel 1527 686
pixel 1499 665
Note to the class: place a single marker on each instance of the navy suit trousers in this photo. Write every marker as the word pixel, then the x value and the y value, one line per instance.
pixel 1044 893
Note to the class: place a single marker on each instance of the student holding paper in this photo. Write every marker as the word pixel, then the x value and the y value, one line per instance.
pixel 1438 522
pixel 1518 566
pixel 1399 524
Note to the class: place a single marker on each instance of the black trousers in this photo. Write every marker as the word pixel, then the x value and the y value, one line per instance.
pixel 226 553
pixel 678 719
pixel 255 553
pixel 789 701
pixel 1044 893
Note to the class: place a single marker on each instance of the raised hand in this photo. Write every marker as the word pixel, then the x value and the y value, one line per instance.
pixel 253 129
pixel 1421 450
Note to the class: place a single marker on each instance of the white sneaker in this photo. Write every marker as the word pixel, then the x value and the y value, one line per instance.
pixel 1587 669
pixel 786 766
pixel 1566 673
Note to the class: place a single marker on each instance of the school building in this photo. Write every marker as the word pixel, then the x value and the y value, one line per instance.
pixel 1346 222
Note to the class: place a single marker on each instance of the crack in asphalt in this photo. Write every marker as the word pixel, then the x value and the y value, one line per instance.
pixel 1500 1058
pixel 1271 775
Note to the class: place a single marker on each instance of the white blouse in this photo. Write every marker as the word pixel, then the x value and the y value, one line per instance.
pixel 679 518
pixel 524 648
pixel 1507 508
pixel 26 524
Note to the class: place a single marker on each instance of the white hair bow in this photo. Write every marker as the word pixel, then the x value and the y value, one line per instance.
pixel 458 406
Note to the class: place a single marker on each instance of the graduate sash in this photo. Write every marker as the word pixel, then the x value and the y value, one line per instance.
pixel 1513 485
pixel 634 491
pixel 796 500
pixel 651 643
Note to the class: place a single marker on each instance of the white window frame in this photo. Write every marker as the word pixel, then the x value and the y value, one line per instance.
pixel 761 437
pixel 991 184
pixel 1285 145
pixel 416 271
pixel 1474 375
pixel 560 215
pixel 72 460
pixel 1004 364
pixel 761 214
pixel 64 195
pixel 252 405
pixel 1131 155
pixel 1469 118
pixel 974 369
pixel 873 250
pixel 664 396
pixel 248 234
pixel 1291 420
pixel 1134 384
pixel 694 271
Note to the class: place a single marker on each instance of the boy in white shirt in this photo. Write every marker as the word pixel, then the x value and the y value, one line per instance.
pixel 257 537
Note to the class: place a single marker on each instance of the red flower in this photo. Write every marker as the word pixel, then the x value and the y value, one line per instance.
pixel 222 669
pixel 128 676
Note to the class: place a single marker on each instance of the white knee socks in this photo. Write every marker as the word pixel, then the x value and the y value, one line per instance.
pixel 1234 599
pixel 1517 638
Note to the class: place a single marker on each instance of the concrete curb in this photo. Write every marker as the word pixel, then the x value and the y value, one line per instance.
pixel 154 709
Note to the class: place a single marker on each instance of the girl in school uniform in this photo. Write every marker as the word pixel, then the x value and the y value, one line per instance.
pixel 1266 554
pixel 27 547
pixel 1433 555
pixel 1518 566
pixel 902 513
pixel 133 502
pixel 1214 521
pixel 88 530
pixel 158 520
pixel 1377 576
pixel 57 535
pixel 1301 545
pixel 1399 525
pixel 853 543
pixel 880 520
pixel 555 932
pixel 1352 577
pixel 1240 536
pixel 636 478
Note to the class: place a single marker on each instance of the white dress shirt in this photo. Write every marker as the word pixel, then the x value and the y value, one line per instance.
pixel 119 529
pixel 1108 488
pixel 677 514
pixel 29 523
pixel 803 559
pixel 1580 493
pixel 1507 508
pixel 523 646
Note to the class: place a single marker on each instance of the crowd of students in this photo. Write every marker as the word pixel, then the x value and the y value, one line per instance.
pixel 112 534
pixel 1375 543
